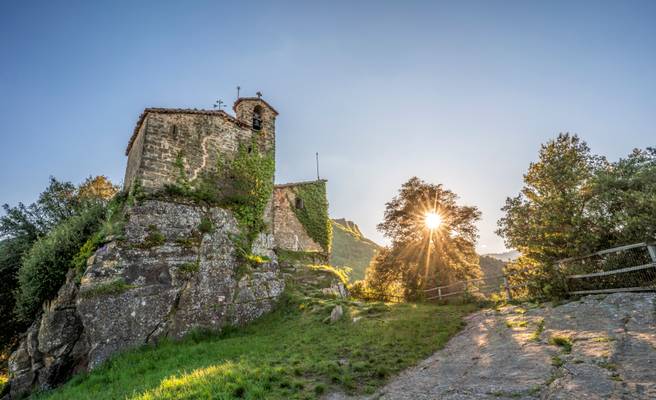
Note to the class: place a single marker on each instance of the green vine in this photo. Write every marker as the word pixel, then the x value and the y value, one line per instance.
pixel 313 215
pixel 251 173
pixel 243 185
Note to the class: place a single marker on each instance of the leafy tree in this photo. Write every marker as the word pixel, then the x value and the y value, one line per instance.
pixel 623 201
pixel 22 226
pixel 548 220
pixel 574 203
pixel 98 188
pixel 418 256
pixel 44 266
pixel 11 253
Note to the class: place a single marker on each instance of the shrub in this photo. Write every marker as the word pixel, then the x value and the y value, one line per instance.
pixel 153 238
pixel 206 225
pixel 44 267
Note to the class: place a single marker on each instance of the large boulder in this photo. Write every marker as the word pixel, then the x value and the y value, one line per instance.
pixel 175 270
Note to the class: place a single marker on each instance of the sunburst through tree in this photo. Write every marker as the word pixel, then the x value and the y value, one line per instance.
pixel 432 242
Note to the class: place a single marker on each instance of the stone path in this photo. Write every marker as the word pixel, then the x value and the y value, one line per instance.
pixel 505 354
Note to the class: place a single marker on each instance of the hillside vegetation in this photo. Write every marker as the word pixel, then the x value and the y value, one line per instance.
pixel 351 249
pixel 491 266
pixel 293 353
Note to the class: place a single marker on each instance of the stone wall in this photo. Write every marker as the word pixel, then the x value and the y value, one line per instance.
pixel 288 231
pixel 200 138
pixel 134 159
pixel 163 279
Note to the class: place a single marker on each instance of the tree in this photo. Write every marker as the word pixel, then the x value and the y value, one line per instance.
pixel 420 257
pixel 575 203
pixel 548 219
pixel 22 226
pixel 98 188
pixel 623 201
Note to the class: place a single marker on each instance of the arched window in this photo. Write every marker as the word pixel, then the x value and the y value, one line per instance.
pixel 257 118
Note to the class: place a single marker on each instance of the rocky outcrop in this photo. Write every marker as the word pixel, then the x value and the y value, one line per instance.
pixel 174 271
pixel 599 347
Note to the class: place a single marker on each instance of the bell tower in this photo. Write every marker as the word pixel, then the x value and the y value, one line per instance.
pixel 257 114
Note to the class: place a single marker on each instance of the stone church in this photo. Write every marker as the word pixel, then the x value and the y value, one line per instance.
pixel 165 275
pixel 161 134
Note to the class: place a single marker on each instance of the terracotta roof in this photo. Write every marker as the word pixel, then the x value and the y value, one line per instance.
pixel 284 185
pixel 155 110
pixel 234 106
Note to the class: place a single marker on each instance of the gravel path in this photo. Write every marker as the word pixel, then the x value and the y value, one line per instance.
pixel 505 354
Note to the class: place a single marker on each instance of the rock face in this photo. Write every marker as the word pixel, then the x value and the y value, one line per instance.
pixel 176 270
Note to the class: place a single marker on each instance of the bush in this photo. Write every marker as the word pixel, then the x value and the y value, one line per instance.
pixel 44 267
pixel 11 252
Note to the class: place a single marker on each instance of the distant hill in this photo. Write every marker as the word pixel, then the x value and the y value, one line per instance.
pixel 491 266
pixel 351 248
pixel 507 256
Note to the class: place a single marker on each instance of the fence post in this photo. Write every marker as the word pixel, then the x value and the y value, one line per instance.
pixel 439 293
pixel 507 286
pixel 652 252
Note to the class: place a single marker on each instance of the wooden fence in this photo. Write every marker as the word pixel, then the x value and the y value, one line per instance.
pixel 620 269
pixel 484 286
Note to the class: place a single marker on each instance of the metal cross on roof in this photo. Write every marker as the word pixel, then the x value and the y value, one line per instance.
pixel 219 103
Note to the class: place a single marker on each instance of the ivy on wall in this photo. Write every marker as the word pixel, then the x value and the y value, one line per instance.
pixel 243 185
pixel 313 215
pixel 251 177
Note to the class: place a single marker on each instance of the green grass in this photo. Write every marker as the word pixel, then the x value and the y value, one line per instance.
pixel 516 323
pixel 116 286
pixel 557 361
pixel 563 342
pixel 535 336
pixel 289 354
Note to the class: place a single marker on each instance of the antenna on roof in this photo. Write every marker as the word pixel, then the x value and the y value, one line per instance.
pixel 218 104
pixel 259 94
pixel 238 89
pixel 318 178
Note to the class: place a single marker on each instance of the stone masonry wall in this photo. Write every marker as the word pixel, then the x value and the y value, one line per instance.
pixel 134 160
pixel 288 231
pixel 199 138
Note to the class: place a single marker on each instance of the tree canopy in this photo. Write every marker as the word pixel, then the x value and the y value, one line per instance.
pixel 420 257
pixel 574 203
pixel 36 242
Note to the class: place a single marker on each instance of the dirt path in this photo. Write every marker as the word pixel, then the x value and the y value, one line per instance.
pixel 505 354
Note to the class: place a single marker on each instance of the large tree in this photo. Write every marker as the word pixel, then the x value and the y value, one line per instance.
pixel 548 219
pixel 421 257
pixel 574 203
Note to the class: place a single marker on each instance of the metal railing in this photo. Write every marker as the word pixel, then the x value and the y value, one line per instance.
pixel 486 286
pixel 620 269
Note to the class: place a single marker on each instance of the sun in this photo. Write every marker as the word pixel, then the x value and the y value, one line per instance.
pixel 432 220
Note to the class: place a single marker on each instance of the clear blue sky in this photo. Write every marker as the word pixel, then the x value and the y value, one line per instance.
pixel 459 93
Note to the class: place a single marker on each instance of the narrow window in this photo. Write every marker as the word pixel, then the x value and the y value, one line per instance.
pixel 257 118
pixel 299 204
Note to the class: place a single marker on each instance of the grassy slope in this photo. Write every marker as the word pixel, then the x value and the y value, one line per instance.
pixel 290 354
pixel 491 266
pixel 351 249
